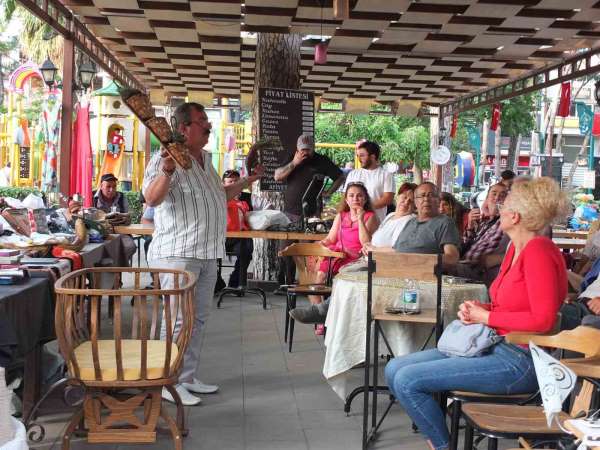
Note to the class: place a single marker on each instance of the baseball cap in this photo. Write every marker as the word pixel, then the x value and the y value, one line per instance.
pixel 305 142
pixel 108 177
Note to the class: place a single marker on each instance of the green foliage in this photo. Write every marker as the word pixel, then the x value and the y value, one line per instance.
pixel 135 206
pixel 341 128
pixel 414 145
pixel 518 115
pixel 34 107
pixel 18 192
pixel 460 143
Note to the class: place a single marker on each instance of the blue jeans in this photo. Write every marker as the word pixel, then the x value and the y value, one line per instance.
pixel 506 369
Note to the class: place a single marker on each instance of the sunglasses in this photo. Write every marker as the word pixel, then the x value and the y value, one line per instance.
pixel 231 174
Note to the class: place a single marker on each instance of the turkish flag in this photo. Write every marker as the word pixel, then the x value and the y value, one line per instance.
pixel 454 125
pixel 565 100
pixel 496 110
pixel 596 124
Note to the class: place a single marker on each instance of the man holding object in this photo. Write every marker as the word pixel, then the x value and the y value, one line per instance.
pixel 190 220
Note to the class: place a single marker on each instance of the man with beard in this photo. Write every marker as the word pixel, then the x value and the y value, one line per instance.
pixel 190 219
pixel 378 181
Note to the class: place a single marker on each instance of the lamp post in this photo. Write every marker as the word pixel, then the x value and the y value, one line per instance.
pixel 48 70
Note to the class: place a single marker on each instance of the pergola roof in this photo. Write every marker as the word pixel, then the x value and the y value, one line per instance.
pixel 430 51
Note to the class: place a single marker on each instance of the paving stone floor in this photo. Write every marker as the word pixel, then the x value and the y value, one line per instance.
pixel 269 398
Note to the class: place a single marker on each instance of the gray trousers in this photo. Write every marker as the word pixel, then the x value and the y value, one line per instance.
pixel 206 274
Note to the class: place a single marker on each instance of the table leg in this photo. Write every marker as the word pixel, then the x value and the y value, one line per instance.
pixel 242 289
pixel 31 380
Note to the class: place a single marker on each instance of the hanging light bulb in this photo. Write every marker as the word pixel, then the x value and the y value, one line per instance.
pixel 321 47
pixel 321 53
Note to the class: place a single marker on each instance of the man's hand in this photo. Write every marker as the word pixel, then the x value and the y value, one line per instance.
pixel 299 157
pixel 594 305
pixel 256 174
pixel 474 217
pixel 167 164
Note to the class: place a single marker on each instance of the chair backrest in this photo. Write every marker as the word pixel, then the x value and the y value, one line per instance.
pixel 585 340
pixel 78 319
pixel 415 266
pixel 307 257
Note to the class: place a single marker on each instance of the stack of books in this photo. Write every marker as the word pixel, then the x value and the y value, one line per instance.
pixel 12 276
pixel 9 256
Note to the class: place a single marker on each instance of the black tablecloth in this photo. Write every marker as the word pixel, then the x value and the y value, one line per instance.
pixel 111 248
pixel 26 314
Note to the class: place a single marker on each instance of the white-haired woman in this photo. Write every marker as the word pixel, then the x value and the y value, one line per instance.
pixel 526 296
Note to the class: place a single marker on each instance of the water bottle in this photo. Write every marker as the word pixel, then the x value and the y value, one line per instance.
pixel 410 297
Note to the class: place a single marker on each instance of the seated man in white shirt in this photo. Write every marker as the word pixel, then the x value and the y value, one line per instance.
pixel 378 181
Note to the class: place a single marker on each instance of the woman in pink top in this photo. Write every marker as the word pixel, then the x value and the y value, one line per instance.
pixel 352 227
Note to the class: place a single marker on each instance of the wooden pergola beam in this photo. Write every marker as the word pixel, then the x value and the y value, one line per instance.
pixel 582 64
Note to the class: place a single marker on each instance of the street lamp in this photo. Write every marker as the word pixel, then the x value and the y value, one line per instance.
pixel 87 72
pixel 48 70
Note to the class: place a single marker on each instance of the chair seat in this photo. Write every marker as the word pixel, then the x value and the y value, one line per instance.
pixel 131 351
pixel 318 289
pixel 508 420
pixel 469 396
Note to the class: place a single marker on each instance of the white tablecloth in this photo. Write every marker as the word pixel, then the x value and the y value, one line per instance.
pixel 347 316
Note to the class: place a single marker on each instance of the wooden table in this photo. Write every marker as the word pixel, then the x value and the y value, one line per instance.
pixel 570 234
pixel 242 290
pixel 147 230
pixel 568 243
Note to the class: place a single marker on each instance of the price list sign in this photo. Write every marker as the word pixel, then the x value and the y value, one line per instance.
pixel 283 116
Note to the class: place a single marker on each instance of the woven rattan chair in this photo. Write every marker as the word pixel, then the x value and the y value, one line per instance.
pixel 125 353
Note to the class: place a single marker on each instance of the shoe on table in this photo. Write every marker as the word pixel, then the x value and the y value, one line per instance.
pixel 310 314
pixel 198 387
pixel 187 399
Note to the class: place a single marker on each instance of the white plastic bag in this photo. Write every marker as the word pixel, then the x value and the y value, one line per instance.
pixel 32 201
pixel 261 220
pixel 19 442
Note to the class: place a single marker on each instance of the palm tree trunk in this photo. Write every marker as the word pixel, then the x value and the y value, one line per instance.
pixel 277 65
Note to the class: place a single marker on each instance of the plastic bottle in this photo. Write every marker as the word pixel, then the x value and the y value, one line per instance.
pixel 410 297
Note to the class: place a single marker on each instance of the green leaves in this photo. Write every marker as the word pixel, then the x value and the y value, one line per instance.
pixel 341 128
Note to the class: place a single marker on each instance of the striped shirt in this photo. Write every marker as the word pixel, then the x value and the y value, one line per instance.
pixel 191 220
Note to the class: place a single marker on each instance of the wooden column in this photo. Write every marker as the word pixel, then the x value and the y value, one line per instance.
pixel 147 147
pixel 66 125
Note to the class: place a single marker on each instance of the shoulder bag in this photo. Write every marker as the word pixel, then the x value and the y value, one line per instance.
pixel 467 341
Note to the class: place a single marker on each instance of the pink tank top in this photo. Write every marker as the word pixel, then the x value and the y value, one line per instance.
pixel 348 237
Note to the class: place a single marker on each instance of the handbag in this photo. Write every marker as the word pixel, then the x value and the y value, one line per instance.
pixel 459 339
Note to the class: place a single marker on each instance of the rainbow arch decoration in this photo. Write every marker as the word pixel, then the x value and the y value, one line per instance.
pixel 21 74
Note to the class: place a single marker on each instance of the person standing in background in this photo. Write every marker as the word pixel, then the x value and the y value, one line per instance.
pixel 378 181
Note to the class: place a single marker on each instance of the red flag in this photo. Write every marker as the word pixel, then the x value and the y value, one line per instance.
pixel 565 100
pixel 454 125
pixel 496 109
pixel 596 124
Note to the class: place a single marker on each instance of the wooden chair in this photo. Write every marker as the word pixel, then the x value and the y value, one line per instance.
pixel 307 257
pixel 106 358
pixel 460 397
pixel 496 421
pixel 412 266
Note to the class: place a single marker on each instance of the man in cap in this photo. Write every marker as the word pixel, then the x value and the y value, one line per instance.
pixel 298 173
pixel 108 197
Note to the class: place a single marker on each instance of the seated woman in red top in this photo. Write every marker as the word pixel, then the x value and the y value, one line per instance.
pixel 526 296
pixel 352 227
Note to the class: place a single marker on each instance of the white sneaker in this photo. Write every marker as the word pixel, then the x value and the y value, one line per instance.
pixel 187 399
pixel 198 387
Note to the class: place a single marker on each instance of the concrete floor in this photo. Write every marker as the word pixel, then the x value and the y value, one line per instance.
pixel 269 398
